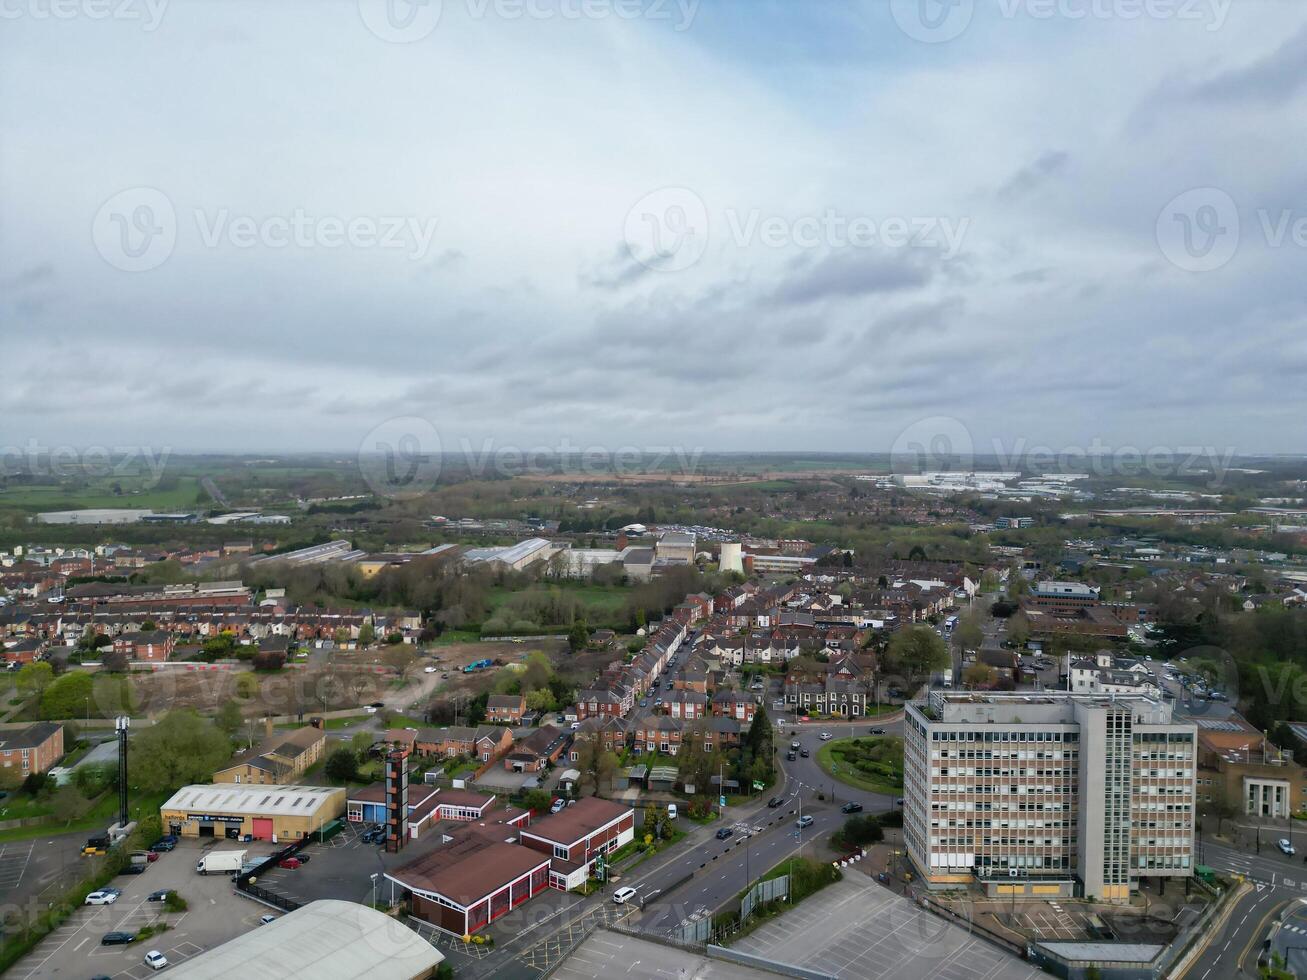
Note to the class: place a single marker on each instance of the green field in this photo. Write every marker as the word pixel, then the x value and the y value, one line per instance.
pixel 173 493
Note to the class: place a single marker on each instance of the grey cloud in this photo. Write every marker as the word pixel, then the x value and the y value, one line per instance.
pixel 850 273
pixel 619 270
pixel 1272 80
pixel 1031 177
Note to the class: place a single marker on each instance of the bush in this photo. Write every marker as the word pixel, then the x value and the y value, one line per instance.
pixel 861 831
pixel 175 903
pixel 894 818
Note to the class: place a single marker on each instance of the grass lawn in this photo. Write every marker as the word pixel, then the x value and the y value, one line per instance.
pixel 450 637
pixel 874 763
pixel 603 604
pixel 98 817
pixel 182 493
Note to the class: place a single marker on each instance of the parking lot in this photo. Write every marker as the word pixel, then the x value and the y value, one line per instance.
pixel 216 914
pixel 856 928
pixel 610 954
pixel 29 866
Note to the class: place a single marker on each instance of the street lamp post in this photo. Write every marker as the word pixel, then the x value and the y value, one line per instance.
pixel 374 889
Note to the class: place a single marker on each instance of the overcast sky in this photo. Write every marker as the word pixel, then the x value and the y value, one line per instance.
pixel 732 225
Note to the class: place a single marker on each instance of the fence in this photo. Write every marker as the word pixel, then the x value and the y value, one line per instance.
pixel 762 892
pixel 245 885
pixel 762 963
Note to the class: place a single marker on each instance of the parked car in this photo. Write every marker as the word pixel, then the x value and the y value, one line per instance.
pixel 117 938
pixel 851 807
pixel 724 832
pixel 557 805
pixel 1285 847
pixel 160 896
pixel 155 960
pixel 803 821
pixel 774 802
pixel 265 919
pixel 624 895
pixel 134 869
pixel 290 863
pixel 101 898
pixel 882 877
pixel 303 858
pixel 672 812
pixel 878 731
pixel 430 670
pixel 160 846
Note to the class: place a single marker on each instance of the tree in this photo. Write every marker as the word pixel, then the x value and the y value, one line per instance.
pixel 596 766
pixel 540 700
pixel 229 717
pixel 367 635
pixel 979 675
pixel 115 661
pixel 67 696
pixel 35 678
pixel 578 637
pixel 969 634
pixel 361 743
pixel 181 747
pixel 342 765
pixel 537 800
pixel 917 651
pixel 1018 629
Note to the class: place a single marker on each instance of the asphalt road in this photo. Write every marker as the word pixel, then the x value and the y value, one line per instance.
pixel 762 837
pixel 1277 880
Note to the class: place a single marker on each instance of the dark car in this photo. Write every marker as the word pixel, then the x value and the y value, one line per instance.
pixel 774 802
pixel 851 807
pixel 303 858
pixel 724 833
pixel 805 753
pixel 162 845
pixel 899 801
pixel 134 869
pixel 159 896
pixel 878 731
pixel 790 756
pixel 117 938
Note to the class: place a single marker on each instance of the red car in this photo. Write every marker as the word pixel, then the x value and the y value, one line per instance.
pixel 291 863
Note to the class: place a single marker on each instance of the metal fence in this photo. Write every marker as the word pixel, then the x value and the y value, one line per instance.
pixel 762 892
pixel 695 931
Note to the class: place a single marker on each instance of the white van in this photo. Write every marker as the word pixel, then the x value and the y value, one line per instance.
pixel 671 811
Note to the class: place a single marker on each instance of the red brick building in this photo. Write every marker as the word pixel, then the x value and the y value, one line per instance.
pixel 576 835
pixel 35 748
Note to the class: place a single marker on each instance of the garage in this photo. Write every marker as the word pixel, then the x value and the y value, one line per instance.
pixel 252 812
